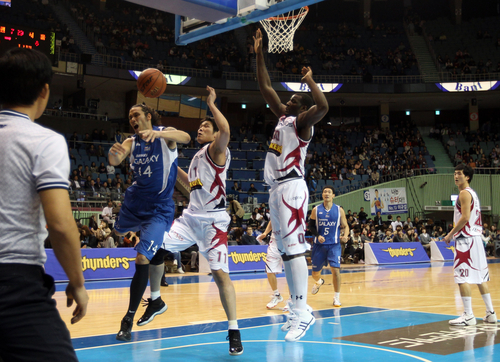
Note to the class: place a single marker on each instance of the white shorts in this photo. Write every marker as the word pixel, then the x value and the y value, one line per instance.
pixel 274 263
pixel 470 265
pixel 207 229
pixel 288 203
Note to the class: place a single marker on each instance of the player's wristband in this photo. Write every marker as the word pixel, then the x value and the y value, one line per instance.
pixel 312 227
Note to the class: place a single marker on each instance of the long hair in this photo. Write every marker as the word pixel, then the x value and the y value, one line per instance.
pixel 155 117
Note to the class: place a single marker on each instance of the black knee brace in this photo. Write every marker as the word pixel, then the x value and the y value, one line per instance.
pixel 158 258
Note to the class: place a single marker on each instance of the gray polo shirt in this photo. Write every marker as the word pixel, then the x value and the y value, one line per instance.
pixel 32 159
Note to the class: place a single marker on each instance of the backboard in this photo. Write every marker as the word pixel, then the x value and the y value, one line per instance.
pixel 200 19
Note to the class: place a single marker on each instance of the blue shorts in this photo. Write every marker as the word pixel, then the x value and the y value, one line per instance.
pixel 152 218
pixel 323 253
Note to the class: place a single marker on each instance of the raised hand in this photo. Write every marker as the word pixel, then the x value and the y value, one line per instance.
pixel 257 39
pixel 211 95
pixel 306 74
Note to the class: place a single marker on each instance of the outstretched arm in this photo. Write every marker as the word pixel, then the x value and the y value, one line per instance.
pixel 313 115
pixel 169 134
pixel 269 94
pixel 217 149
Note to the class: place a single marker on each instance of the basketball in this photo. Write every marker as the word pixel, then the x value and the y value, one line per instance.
pixel 377 203
pixel 151 83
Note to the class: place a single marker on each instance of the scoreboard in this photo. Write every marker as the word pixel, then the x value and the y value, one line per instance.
pixel 14 36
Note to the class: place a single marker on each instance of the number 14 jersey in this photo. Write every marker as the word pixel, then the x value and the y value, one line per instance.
pixel 154 166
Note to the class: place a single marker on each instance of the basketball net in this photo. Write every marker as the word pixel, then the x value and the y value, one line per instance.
pixel 281 29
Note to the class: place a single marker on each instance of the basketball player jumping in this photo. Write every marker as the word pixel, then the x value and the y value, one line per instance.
pixel 470 265
pixel 284 172
pixel 148 204
pixel 326 224
pixel 205 220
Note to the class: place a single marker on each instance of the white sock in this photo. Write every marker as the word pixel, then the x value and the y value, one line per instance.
pixel 467 305
pixel 289 279
pixel 155 295
pixel 337 296
pixel 276 292
pixel 318 282
pixel 232 324
pixel 300 274
pixel 487 301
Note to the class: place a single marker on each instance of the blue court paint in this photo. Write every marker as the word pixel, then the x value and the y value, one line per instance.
pixel 263 340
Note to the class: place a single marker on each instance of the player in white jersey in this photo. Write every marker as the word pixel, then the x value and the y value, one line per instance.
pixel 205 220
pixel 470 265
pixel 148 206
pixel 34 202
pixel 274 265
pixel 284 172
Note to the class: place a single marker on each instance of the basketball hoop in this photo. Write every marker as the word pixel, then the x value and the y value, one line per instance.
pixel 281 29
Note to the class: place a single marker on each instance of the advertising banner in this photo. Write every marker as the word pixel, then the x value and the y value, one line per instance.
pixel 97 264
pixel 441 252
pixel 391 253
pixel 388 201
pixel 247 258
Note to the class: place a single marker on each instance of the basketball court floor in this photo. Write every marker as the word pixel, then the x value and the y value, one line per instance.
pixel 388 313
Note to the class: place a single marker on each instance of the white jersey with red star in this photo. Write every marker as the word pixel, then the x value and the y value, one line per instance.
pixel 475 224
pixel 207 181
pixel 287 152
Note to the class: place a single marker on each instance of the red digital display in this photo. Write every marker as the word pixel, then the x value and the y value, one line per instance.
pixel 23 37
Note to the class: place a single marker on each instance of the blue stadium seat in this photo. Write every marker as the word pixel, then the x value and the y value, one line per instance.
pixel 259 164
pixel 246 146
pixel 238 164
pixel 346 186
pixel 183 162
pixel 244 175
pixel 252 155
pixel 242 155
pixel 189 152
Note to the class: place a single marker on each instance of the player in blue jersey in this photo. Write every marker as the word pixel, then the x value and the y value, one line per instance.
pixel 148 204
pixel 329 225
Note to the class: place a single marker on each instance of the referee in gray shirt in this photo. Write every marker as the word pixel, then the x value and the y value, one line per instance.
pixel 34 167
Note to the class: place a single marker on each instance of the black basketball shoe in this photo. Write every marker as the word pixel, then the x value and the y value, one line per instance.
pixel 235 347
pixel 154 308
pixel 125 333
